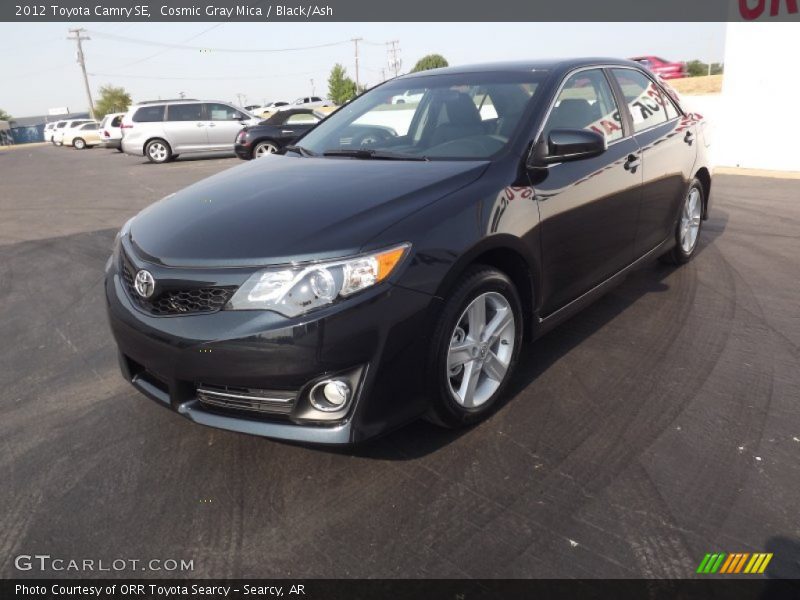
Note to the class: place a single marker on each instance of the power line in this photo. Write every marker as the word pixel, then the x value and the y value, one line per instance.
pixel 130 40
pixel 82 62
pixel 207 78
pixel 160 52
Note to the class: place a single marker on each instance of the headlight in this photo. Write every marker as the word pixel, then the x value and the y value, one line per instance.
pixel 292 291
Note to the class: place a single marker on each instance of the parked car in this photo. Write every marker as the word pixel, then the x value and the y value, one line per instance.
pixel 269 109
pixel 82 136
pixel 408 97
pixel 664 68
pixel 163 130
pixel 272 135
pixel 48 131
pixel 111 131
pixel 334 292
pixel 307 102
pixel 62 127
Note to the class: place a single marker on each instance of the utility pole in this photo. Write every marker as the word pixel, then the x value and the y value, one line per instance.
pixel 239 97
pixel 394 59
pixel 313 93
pixel 358 84
pixel 82 62
pixel 383 74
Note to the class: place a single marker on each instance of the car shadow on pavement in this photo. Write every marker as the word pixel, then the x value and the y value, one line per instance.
pixel 785 564
pixel 420 437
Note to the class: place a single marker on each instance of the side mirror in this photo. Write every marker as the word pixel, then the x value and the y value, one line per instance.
pixel 567 145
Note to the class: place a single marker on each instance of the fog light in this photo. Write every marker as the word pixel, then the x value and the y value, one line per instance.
pixel 330 395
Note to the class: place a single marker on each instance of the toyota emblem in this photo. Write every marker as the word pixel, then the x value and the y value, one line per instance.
pixel 144 284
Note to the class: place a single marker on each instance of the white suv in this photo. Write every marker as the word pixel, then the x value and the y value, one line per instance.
pixel 163 129
pixel 110 131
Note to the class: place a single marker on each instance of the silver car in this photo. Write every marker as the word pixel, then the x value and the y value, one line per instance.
pixel 163 129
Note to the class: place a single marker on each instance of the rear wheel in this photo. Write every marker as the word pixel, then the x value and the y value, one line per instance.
pixel 79 143
pixel 261 149
pixel 474 348
pixel 687 231
pixel 158 151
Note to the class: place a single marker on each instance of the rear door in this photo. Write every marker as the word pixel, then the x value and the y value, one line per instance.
pixel 224 124
pixel 667 140
pixel 185 128
pixel 588 208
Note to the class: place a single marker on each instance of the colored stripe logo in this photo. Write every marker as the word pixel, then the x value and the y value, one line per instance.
pixel 737 562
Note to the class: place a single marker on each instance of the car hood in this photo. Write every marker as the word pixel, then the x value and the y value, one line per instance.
pixel 282 209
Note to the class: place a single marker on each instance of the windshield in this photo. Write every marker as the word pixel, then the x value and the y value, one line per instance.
pixel 458 116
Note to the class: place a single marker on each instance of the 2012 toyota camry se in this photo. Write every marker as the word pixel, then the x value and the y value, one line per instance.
pixel 346 287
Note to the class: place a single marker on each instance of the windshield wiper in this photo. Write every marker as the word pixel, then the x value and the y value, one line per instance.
pixel 299 150
pixel 365 153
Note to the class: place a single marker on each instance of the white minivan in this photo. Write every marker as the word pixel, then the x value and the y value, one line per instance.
pixel 163 129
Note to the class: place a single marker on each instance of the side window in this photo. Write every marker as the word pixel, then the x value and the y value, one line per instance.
pixel 669 106
pixel 644 100
pixel 301 119
pixel 149 114
pixel 89 126
pixel 116 121
pixel 223 112
pixel 185 112
pixel 587 102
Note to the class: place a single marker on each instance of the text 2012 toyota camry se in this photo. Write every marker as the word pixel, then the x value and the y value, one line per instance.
pixel 340 290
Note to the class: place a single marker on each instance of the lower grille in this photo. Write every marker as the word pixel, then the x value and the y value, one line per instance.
pixel 254 400
pixel 179 301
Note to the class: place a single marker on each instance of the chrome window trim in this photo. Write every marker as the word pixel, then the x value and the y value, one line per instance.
pixel 660 91
pixel 605 67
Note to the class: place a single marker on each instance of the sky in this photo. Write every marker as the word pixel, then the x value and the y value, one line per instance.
pixel 39 70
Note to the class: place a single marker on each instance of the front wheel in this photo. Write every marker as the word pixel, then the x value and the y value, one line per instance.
pixel 474 348
pixel 687 231
pixel 158 151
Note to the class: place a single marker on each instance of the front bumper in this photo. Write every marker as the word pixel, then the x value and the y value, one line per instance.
pixel 379 335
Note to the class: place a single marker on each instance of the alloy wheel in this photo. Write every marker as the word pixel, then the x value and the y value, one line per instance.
pixel 481 348
pixel 157 151
pixel 263 149
pixel 690 220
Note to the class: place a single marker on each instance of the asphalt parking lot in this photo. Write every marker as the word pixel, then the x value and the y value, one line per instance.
pixel 661 423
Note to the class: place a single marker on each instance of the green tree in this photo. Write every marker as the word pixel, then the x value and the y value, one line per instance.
pixel 431 61
pixel 341 88
pixel 4 116
pixel 697 68
pixel 112 99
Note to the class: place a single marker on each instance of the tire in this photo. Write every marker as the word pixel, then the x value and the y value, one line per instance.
pixel 158 151
pixel 687 230
pixel 79 144
pixel 263 148
pixel 452 405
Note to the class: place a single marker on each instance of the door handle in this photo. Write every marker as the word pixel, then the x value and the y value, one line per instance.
pixel 689 138
pixel 287 131
pixel 201 124
pixel 212 125
pixel 632 163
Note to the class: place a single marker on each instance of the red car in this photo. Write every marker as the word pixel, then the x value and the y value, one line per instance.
pixel 664 68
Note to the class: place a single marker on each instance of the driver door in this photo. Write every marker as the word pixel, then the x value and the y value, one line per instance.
pixel 588 208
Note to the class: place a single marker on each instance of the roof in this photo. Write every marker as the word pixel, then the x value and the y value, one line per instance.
pixel 562 64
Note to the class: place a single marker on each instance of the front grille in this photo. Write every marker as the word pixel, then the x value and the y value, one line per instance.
pixel 253 400
pixel 176 301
